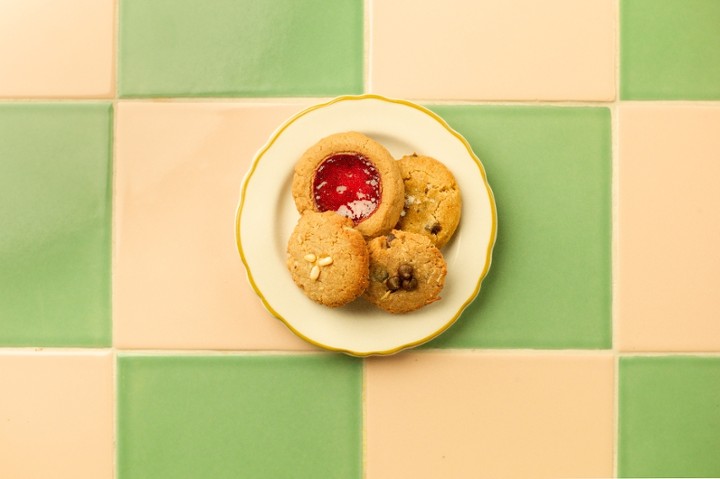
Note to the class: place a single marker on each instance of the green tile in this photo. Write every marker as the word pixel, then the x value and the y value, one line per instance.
pixel 549 285
pixel 239 416
pixel 669 418
pixel 55 207
pixel 240 48
pixel 670 50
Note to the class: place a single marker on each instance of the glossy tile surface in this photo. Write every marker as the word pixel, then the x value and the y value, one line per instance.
pixel 669 228
pixel 240 48
pixel 52 49
pixel 669 417
pixel 549 284
pixel 493 50
pixel 179 281
pixel 234 416
pixel 55 168
pixel 670 50
pixel 489 415
pixel 56 415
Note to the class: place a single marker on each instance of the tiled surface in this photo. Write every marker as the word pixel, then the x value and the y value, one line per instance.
pixel 670 417
pixel 178 280
pixel 126 127
pixel 490 415
pixel 55 167
pixel 262 416
pixel 240 48
pixel 550 170
pixel 669 228
pixel 671 54
pixel 56 412
pixel 51 49
pixel 494 50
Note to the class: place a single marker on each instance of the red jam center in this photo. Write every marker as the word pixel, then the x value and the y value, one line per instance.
pixel 349 184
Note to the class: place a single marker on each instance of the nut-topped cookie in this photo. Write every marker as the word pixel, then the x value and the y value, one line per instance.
pixel 407 272
pixel 432 199
pixel 354 175
pixel 328 258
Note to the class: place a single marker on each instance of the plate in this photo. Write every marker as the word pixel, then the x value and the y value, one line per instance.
pixel 266 216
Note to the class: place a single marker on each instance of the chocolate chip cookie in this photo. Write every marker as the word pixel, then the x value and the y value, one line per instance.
pixel 328 258
pixel 407 272
pixel 432 199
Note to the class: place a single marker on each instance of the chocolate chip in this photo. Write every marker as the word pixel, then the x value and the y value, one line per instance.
pixel 409 284
pixel 380 274
pixel 389 239
pixel 405 271
pixel 434 229
pixel 393 283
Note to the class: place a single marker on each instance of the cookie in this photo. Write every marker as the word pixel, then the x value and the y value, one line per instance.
pixel 328 258
pixel 407 272
pixel 432 199
pixel 353 175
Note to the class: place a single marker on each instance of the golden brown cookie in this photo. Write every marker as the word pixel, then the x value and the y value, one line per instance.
pixel 407 272
pixel 328 258
pixel 353 175
pixel 432 199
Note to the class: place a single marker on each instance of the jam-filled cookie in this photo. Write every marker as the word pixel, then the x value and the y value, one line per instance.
pixel 353 175
pixel 432 199
pixel 407 272
pixel 328 258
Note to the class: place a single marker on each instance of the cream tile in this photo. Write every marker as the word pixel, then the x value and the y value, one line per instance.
pixel 668 274
pixel 178 279
pixel 56 411
pixel 491 50
pixel 489 415
pixel 56 49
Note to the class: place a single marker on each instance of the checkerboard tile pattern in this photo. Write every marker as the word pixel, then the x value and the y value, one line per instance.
pixel 132 346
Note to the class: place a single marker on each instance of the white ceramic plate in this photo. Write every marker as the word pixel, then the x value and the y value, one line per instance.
pixel 266 217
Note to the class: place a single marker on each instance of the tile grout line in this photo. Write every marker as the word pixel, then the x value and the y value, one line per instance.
pixel 616 415
pixel 363 420
pixel 424 101
pixel 222 353
pixel 113 203
pixel 614 262
pixel 35 350
pixel 305 99
pixel 614 244
pixel 367 45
